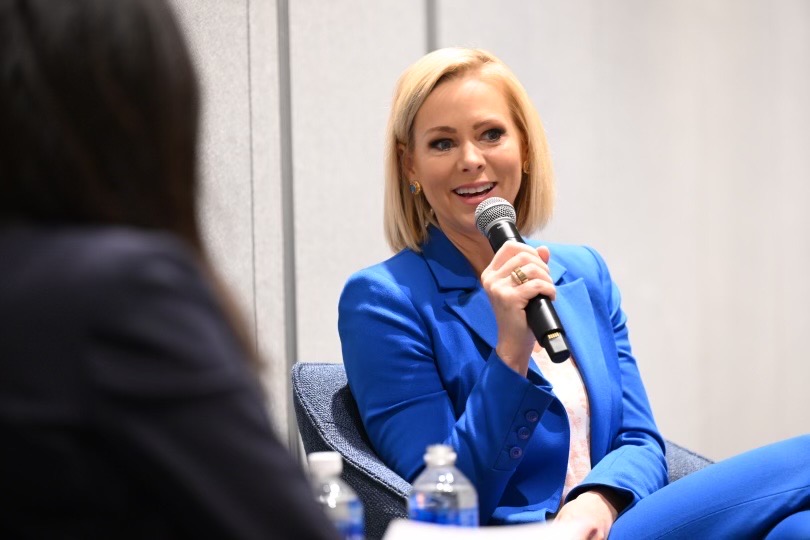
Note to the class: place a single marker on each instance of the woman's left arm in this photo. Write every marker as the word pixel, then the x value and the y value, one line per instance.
pixel 634 465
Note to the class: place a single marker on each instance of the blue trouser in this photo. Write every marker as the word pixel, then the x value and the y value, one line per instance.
pixel 764 493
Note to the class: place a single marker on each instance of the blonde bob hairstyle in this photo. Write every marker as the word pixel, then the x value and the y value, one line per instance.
pixel 407 216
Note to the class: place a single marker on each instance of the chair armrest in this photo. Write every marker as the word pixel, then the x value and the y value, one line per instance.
pixel 682 462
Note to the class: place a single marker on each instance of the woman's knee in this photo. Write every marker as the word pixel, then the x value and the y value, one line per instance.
pixel 797 449
pixel 793 527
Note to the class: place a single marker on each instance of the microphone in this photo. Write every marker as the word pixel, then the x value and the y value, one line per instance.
pixel 496 219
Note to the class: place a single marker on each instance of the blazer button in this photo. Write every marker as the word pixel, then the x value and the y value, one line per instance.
pixel 524 433
pixel 532 415
pixel 516 452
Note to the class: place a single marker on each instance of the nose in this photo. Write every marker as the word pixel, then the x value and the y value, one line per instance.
pixel 472 160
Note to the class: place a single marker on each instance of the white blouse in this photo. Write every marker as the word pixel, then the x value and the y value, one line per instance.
pixel 570 390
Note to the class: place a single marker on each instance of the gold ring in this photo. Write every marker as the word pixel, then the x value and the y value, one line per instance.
pixel 518 276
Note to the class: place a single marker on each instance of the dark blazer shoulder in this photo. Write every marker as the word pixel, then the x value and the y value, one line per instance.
pixel 69 277
pixel 114 253
pixel 91 250
pixel 82 258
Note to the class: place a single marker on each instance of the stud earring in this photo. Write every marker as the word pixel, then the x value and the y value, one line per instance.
pixel 526 167
pixel 416 188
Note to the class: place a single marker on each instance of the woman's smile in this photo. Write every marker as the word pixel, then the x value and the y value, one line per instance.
pixel 474 193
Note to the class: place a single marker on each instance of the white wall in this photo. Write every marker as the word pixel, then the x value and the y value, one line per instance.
pixel 679 131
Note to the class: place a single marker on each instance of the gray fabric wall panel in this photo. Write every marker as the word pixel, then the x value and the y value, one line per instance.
pixel 345 58
pixel 217 34
pixel 234 44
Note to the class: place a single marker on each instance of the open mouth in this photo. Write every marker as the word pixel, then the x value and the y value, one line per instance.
pixel 474 191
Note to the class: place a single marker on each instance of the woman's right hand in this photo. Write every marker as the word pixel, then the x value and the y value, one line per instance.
pixel 509 300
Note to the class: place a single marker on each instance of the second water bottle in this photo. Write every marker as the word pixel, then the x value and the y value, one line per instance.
pixel 441 494
pixel 338 500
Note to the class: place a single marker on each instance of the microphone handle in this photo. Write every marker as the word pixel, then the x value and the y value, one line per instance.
pixel 540 313
pixel 547 328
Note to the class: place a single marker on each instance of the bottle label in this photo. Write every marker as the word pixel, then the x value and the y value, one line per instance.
pixel 351 528
pixel 463 517
pixel 350 531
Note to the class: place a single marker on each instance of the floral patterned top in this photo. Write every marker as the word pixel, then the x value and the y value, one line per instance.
pixel 570 390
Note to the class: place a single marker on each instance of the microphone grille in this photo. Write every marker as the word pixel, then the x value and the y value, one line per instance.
pixel 492 210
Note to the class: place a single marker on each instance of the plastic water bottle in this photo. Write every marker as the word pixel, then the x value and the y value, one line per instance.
pixel 441 494
pixel 338 500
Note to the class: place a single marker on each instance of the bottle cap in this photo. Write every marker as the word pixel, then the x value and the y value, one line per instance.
pixel 438 455
pixel 325 464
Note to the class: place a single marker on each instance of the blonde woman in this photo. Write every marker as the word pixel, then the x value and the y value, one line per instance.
pixel 437 348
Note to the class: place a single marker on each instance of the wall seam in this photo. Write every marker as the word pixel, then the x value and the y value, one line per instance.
pixel 287 213
pixel 252 179
pixel 431 25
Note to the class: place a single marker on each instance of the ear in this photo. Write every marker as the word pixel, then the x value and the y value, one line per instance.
pixel 405 161
pixel 524 149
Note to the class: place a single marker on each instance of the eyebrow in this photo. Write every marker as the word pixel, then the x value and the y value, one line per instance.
pixel 441 129
pixel 448 129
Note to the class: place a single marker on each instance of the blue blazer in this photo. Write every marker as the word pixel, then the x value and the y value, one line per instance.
pixel 418 335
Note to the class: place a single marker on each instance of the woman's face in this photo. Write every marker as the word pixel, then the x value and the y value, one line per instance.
pixel 466 148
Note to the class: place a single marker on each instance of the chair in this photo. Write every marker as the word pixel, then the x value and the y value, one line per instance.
pixel 328 420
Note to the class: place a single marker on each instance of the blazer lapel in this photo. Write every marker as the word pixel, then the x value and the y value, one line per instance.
pixel 462 290
pixel 465 296
pixel 576 314
pixel 474 309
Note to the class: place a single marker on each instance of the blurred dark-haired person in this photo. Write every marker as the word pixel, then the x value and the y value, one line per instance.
pixel 129 403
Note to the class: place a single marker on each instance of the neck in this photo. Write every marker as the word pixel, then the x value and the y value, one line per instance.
pixel 474 246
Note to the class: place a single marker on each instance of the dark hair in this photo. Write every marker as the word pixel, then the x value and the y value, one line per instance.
pixel 99 114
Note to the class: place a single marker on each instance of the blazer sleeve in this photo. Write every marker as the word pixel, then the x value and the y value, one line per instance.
pixel 170 393
pixel 635 465
pixel 389 357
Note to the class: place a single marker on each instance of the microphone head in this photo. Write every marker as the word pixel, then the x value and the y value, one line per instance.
pixel 491 211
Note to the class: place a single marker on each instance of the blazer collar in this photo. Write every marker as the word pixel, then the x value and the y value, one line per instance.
pixel 465 296
pixel 453 271
pixel 463 292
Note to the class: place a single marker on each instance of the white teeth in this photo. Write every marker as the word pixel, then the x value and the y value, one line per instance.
pixel 475 189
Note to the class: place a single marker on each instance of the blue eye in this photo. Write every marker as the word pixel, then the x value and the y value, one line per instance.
pixel 441 144
pixel 493 135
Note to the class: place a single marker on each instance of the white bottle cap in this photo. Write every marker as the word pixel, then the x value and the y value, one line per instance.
pixel 325 464
pixel 439 455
